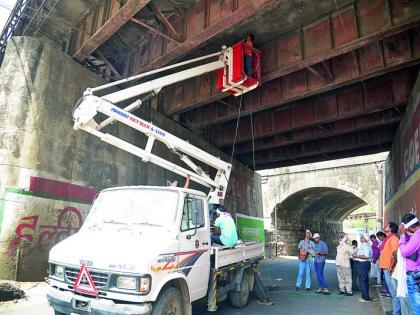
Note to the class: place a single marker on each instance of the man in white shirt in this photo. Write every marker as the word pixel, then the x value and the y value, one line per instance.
pixel 344 251
pixel 363 267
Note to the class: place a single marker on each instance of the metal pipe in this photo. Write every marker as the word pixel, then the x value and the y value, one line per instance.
pixel 158 83
pixel 380 207
pixel 145 74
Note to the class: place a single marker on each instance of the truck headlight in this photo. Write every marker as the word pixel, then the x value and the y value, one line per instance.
pixel 129 283
pixel 59 271
pixel 144 284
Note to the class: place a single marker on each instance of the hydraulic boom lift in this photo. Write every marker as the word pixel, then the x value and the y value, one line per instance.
pixel 147 249
pixel 231 78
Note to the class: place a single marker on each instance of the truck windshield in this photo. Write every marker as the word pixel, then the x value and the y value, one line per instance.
pixel 134 207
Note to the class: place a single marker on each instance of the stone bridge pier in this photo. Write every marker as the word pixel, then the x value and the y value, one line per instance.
pixel 318 197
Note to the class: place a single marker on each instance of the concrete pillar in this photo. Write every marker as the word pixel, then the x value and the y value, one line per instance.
pixel 50 173
pixel 380 208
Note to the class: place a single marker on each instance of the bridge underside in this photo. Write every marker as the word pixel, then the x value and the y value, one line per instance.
pixel 337 74
pixel 319 209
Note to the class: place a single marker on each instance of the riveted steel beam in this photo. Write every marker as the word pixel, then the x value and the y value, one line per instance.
pixel 343 32
pixel 96 28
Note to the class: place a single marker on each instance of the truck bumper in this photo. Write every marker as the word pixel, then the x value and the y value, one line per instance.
pixel 67 302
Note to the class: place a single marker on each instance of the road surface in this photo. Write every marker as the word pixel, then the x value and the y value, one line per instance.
pixel 278 275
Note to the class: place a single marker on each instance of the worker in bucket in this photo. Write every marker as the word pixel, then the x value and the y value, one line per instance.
pixel 224 232
pixel 248 46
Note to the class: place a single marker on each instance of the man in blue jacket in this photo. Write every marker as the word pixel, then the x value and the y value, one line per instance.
pixel 321 251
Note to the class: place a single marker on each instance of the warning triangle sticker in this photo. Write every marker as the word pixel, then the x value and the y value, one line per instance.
pixel 84 282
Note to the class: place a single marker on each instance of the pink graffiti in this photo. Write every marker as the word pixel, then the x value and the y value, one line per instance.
pixel 69 221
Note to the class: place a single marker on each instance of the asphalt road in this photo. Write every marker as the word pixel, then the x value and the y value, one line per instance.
pixel 278 276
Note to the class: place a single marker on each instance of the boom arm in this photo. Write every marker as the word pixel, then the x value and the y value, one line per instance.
pixel 90 105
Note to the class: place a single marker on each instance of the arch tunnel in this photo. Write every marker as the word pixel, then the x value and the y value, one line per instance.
pixel 319 209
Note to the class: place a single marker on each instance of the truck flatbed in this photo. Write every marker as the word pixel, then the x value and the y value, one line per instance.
pixel 245 251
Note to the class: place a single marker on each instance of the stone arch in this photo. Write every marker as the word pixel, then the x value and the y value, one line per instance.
pixel 320 209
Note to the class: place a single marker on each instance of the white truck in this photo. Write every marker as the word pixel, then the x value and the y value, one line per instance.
pixel 147 249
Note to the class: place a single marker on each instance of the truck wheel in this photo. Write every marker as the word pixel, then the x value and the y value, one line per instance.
pixel 169 303
pixel 58 313
pixel 240 298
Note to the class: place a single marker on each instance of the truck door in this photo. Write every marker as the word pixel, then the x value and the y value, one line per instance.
pixel 194 255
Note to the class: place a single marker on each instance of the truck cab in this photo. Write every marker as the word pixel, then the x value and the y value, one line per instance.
pixel 133 242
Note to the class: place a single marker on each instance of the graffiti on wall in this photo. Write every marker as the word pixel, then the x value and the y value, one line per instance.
pixel 43 237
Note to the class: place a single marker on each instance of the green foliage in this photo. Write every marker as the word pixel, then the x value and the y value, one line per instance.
pixel 360 223
pixel 364 209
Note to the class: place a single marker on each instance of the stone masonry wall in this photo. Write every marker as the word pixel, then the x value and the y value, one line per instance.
pixel 351 177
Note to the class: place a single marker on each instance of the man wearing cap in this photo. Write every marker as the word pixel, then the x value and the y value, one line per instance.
pixel 321 251
pixel 306 251
pixel 410 249
pixel 344 251
pixel 224 232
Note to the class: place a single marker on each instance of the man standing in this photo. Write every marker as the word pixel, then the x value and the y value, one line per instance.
pixel 387 262
pixel 353 263
pixel 410 249
pixel 306 251
pixel 321 250
pixel 248 46
pixel 376 271
pixel 363 268
pixel 344 251
pixel 382 240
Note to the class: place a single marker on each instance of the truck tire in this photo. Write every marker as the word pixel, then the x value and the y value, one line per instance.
pixel 169 303
pixel 58 313
pixel 239 298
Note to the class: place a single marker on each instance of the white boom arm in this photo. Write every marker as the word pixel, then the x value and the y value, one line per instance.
pixel 88 107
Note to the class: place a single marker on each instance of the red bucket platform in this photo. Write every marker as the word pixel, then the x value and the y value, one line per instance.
pixel 232 79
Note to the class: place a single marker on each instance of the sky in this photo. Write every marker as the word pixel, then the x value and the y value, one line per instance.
pixel 5 8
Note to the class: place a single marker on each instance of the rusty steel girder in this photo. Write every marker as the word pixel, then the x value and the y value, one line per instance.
pixel 357 100
pixel 366 141
pixel 394 53
pixel 339 127
pixel 93 33
pixel 303 52
pixel 202 23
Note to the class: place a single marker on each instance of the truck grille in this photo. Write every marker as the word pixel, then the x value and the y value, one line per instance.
pixel 99 278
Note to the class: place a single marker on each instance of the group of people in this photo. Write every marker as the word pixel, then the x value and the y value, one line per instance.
pixel 398 249
pixel 392 255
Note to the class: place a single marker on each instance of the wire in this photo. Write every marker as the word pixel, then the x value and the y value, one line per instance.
pixel 253 142
pixel 46 17
pixel 4 5
pixel 236 131
pixel 36 13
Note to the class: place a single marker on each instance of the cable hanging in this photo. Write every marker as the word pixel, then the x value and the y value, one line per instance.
pixel 236 130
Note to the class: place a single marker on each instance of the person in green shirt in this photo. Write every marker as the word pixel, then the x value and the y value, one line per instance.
pixel 224 232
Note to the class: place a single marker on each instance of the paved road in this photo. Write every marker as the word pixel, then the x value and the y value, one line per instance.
pixel 278 276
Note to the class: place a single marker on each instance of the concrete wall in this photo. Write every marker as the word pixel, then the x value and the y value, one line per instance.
pixel 402 168
pixel 50 173
pixel 318 196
